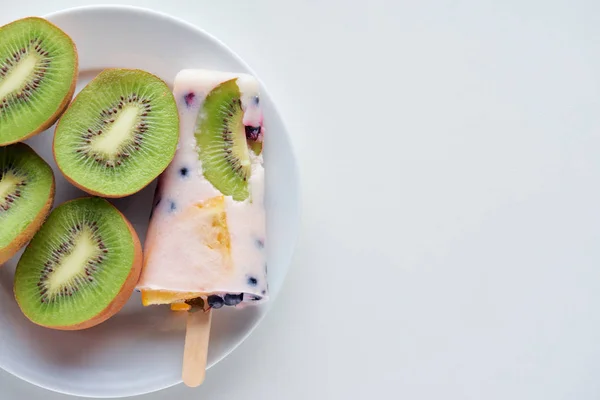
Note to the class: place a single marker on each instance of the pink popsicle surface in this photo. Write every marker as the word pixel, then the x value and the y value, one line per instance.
pixel 201 243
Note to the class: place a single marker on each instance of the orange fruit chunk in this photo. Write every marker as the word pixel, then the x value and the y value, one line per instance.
pixel 151 297
pixel 180 307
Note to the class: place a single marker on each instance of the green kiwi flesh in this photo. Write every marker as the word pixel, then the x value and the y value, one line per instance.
pixel 26 196
pixel 38 70
pixel 221 139
pixel 119 133
pixel 76 265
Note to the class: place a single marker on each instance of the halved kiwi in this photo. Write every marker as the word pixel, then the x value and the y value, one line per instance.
pixel 38 71
pixel 119 133
pixel 26 197
pixel 80 268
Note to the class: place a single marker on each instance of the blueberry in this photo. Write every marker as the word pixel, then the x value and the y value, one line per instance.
pixel 197 303
pixel 252 132
pixel 260 243
pixel 173 207
pixel 215 301
pixel 252 281
pixel 184 172
pixel 256 100
pixel 189 98
pixel 233 299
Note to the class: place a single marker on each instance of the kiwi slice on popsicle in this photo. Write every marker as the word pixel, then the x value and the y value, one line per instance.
pixel 222 142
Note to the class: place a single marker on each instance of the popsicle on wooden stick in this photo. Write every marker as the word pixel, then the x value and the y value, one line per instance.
pixel 206 240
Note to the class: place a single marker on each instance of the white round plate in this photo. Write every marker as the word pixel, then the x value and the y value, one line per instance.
pixel 140 349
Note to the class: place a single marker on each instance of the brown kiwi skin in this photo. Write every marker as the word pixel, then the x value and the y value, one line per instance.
pixel 66 101
pixel 124 294
pixel 25 236
pixel 88 190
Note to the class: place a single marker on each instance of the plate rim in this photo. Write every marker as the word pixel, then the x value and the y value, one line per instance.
pixel 295 170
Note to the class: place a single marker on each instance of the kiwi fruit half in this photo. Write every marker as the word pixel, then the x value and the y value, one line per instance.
pixel 224 148
pixel 80 268
pixel 26 197
pixel 119 133
pixel 38 71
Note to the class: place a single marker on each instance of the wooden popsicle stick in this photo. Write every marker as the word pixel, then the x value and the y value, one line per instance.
pixel 196 347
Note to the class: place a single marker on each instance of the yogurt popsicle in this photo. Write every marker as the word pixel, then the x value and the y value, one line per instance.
pixel 206 237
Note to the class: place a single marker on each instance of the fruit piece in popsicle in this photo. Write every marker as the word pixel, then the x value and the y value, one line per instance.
pixel 221 138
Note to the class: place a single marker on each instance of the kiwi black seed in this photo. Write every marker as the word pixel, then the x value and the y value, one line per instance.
pixel 26 196
pixel 119 133
pixel 80 268
pixel 221 137
pixel 38 71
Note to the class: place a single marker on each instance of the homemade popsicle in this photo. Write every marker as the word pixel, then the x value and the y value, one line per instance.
pixel 206 238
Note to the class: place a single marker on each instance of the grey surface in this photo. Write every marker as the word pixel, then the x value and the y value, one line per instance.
pixel 449 155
